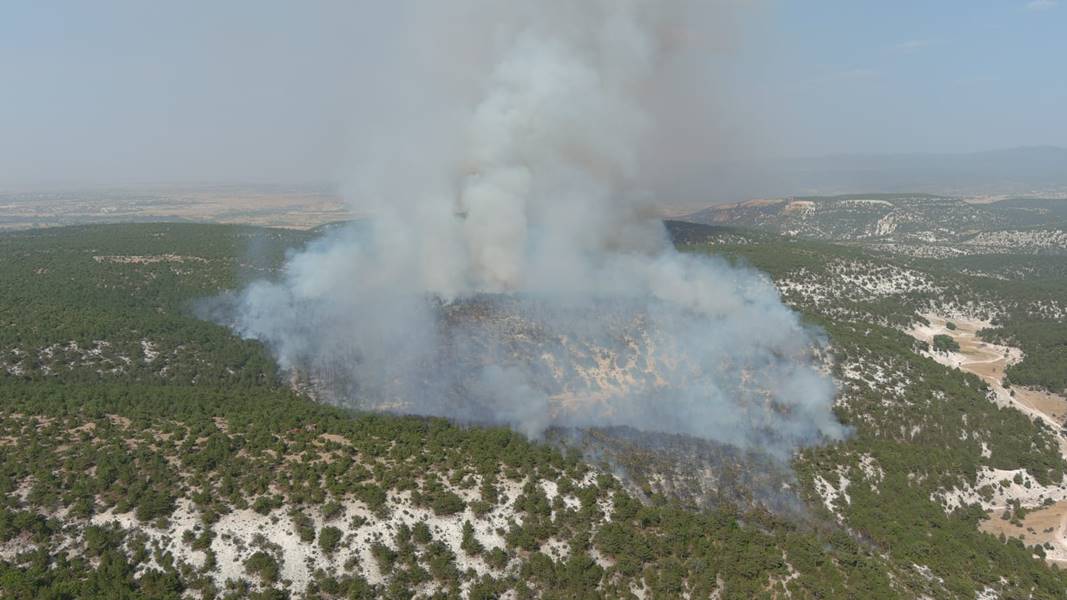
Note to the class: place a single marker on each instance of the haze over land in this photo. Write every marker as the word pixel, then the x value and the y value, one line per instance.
pixel 118 93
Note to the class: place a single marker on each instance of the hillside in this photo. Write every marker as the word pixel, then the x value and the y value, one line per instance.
pixel 913 224
pixel 149 453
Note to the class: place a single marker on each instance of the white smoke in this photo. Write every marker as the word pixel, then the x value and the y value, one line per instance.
pixel 512 272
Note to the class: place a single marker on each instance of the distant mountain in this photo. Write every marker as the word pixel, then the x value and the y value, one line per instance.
pixel 1028 170
pixel 997 171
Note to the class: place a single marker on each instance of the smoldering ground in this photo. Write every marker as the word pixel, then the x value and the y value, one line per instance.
pixel 512 272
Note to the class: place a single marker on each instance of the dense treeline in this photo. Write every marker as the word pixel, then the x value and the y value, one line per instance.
pixel 1032 291
pixel 118 302
pixel 1044 344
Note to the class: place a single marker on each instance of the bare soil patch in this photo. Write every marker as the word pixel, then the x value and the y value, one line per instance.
pixel 1043 526
pixel 1050 404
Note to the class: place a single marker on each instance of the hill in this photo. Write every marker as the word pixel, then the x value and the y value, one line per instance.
pixel 916 224
pixel 149 453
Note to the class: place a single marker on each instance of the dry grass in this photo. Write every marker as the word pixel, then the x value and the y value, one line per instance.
pixel 1050 404
pixel 1046 525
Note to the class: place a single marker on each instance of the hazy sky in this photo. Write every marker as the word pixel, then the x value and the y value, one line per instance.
pixel 120 92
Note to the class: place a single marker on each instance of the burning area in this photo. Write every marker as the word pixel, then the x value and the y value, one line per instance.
pixel 514 272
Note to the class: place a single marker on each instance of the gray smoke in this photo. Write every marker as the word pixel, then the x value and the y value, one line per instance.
pixel 512 271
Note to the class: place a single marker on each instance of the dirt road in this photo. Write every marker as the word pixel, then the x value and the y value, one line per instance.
pixel 1045 526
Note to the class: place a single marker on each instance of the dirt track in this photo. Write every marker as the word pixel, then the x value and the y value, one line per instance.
pixel 989 361
pixel 1044 525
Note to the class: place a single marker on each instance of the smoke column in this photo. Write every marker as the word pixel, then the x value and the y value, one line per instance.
pixel 512 272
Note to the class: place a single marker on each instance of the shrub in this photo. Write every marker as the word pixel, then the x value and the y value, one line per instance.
pixel 384 555
pixel 447 503
pixel 329 537
pixel 470 543
pixel 264 504
pixel 331 510
pixel 263 565
pixel 944 343
pixel 421 533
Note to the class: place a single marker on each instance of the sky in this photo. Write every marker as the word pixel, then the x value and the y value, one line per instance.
pixel 117 92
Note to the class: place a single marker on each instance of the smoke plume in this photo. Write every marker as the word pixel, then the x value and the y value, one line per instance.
pixel 512 271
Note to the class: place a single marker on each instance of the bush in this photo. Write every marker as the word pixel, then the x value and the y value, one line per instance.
pixel 497 558
pixel 421 533
pixel 305 527
pixel 331 510
pixel 470 543
pixel 265 504
pixel 263 565
pixel 447 503
pixel 384 556
pixel 944 343
pixel 329 537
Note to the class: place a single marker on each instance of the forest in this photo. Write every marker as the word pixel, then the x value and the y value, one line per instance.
pixel 118 399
